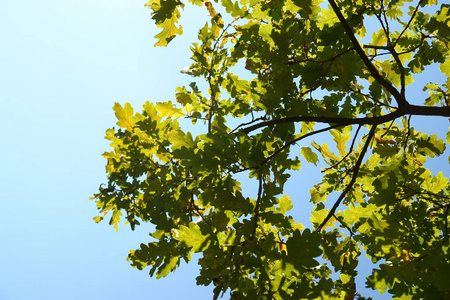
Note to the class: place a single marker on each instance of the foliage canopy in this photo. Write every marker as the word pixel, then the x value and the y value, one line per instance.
pixel 306 67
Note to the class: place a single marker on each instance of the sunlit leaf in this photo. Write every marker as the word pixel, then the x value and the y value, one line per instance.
pixel 124 115
pixel 309 155
pixel 192 237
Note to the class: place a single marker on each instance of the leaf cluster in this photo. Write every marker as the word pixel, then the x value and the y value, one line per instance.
pixel 277 74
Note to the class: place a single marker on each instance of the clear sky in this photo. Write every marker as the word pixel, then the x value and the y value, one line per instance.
pixel 63 64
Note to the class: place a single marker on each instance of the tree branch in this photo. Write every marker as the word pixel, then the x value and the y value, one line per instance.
pixel 409 110
pixel 409 23
pixel 258 202
pixel 296 140
pixel 344 225
pixel 352 181
pixel 373 71
pixel 348 153
pixel 287 145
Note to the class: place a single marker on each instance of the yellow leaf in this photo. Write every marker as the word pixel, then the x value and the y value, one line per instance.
pixel 97 219
pixel 345 278
pixel 282 247
pixel 379 38
pixel 168 109
pixel 170 30
pixel 320 215
pixel 340 139
pixel 124 115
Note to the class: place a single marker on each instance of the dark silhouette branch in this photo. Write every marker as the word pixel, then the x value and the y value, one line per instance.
pixel 295 141
pixel 344 225
pixel 373 71
pixel 409 110
pixel 348 153
pixel 258 203
pixel 352 181
pixel 276 152
pixel 409 23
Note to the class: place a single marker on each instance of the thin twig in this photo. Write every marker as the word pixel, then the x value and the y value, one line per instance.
pixel 258 202
pixel 387 130
pixel 344 224
pixel 208 79
pixel 352 181
pixel 287 145
pixel 387 31
pixel 402 74
pixel 440 206
pixel 331 59
pixel 373 71
pixel 407 134
pixel 409 23
pixel 370 97
pixel 348 153
pixel 295 141
pixel 248 123
pixel 392 51
pixel 446 223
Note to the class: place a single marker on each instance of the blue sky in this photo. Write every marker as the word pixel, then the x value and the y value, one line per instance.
pixel 63 64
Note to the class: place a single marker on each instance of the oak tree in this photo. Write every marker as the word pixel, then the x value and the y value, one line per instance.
pixel 270 79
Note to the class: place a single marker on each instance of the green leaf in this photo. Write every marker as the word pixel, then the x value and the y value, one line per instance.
pixel 319 215
pixel 115 219
pixel 179 139
pixel 442 277
pixel 309 155
pixel 377 281
pixel 182 96
pixel 379 38
pixel 340 138
pixel 235 85
pixel 168 33
pixel 166 15
pixel 193 237
pixel 302 248
pixel 265 31
pixel 345 278
pixel 430 145
pixel 357 212
pixel 305 6
pixel 97 219
pixel 233 8
pixel 445 67
pixel 284 204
